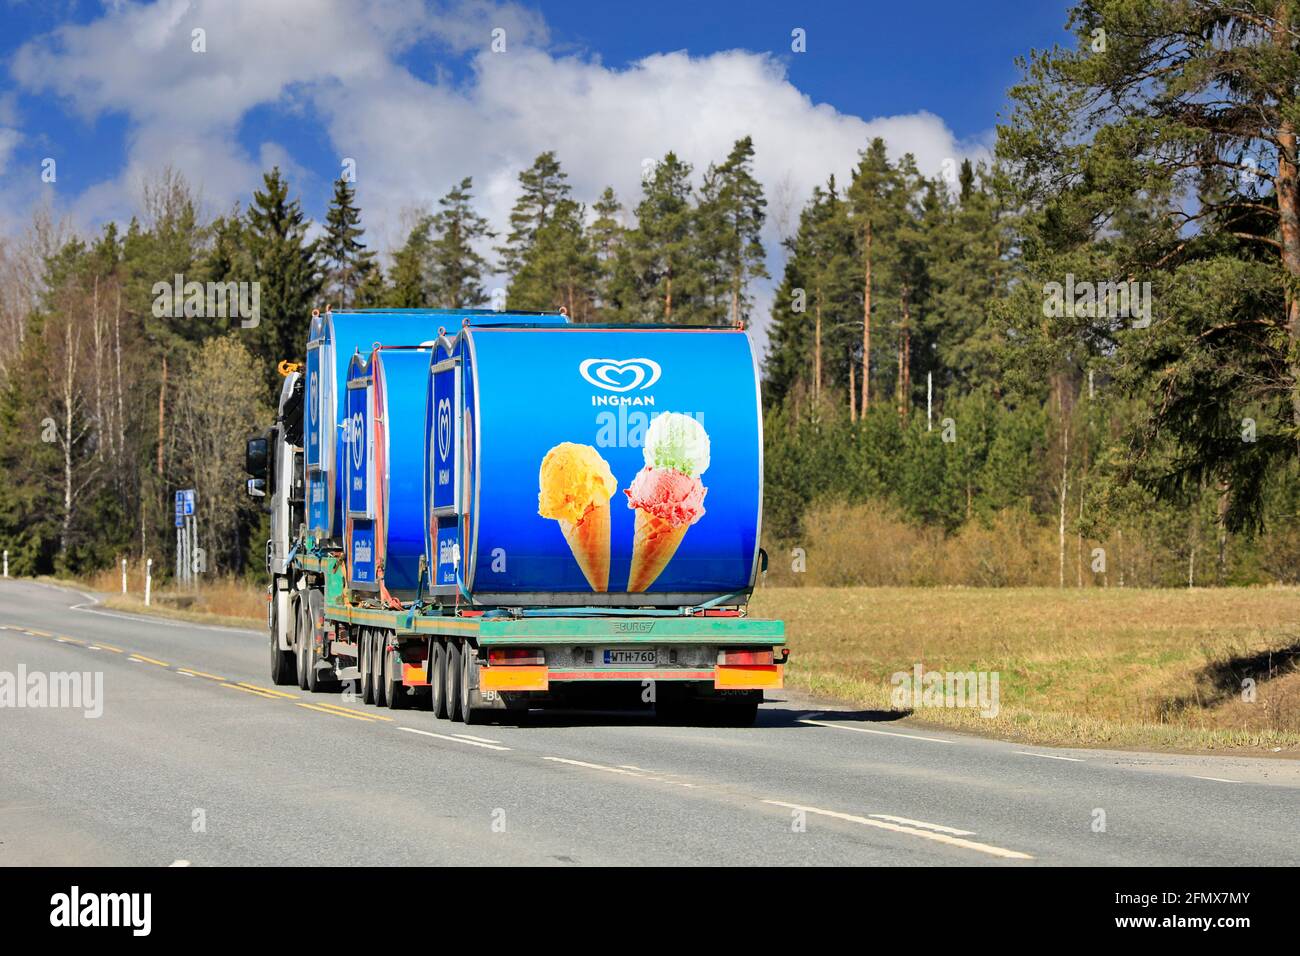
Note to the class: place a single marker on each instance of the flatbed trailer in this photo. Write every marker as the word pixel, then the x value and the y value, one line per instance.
pixel 473 664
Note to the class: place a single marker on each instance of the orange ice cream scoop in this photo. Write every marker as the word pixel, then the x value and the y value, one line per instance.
pixel 572 479
pixel 668 495
pixel 576 485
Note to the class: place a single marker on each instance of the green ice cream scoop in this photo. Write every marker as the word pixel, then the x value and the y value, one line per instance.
pixel 678 441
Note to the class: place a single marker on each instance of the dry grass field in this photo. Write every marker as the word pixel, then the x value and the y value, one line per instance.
pixel 1096 667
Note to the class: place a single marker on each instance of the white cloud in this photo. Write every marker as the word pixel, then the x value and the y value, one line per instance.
pixel 413 138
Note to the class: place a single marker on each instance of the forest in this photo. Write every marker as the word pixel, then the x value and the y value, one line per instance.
pixel 1073 362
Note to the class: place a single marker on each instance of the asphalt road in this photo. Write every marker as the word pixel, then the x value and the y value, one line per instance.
pixel 190 763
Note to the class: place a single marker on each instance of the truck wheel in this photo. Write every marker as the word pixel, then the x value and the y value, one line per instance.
pixel 452 685
pixel 284 665
pixel 398 694
pixel 365 641
pixel 378 648
pixel 301 638
pixel 469 713
pixel 739 713
pixel 438 677
pixel 315 683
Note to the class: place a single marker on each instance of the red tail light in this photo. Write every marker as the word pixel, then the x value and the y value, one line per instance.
pixel 745 657
pixel 516 655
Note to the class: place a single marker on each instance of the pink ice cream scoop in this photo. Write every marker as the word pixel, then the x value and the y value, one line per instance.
pixel 667 494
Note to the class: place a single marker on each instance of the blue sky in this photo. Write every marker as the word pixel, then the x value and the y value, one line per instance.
pixel 412 93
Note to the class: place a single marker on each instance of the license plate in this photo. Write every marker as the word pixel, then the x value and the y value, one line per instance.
pixel 620 655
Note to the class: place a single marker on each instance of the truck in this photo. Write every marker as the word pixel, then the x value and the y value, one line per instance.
pixel 482 513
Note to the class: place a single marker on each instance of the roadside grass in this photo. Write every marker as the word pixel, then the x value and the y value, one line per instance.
pixel 1124 668
pixel 229 602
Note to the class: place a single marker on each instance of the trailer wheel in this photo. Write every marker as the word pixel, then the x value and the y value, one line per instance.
pixel 365 641
pixel 301 638
pixel 740 713
pixel 378 648
pixel 398 694
pixel 438 677
pixel 284 666
pixel 469 713
pixel 452 685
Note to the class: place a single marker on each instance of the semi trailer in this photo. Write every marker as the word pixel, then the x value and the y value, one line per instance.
pixel 482 513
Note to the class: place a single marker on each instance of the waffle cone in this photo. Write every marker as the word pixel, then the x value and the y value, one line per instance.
pixel 589 541
pixel 654 543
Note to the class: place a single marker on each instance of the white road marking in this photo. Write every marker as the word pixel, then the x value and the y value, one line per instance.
pixel 1216 779
pixel 922 824
pixel 482 740
pixel 910 831
pixel 594 766
pixel 179 863
pixel 454 740
pixel 883 733
pixel 1029 753
pixel 151 619
pixel 627 770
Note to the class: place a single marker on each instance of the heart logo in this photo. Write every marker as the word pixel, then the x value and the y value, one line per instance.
pixel 358 437
pixel 620 375
pixel 444 428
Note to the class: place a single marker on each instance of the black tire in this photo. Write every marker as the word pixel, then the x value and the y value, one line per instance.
pixel 398 694
pixel 284 664
pixel 301 638
pixel 469 713
pixel 378 648
pixel 438 677
pixel 738 713
pixel 452 684
pixel 365 640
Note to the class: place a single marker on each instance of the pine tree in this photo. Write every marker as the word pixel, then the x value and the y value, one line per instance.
pixel 409 283
pixel 606 235
pixel 344 258
pixel 729 222
pixel 543 188
pixel 285 264
pixel 560 270
pixel 456 266
pixel 660 249
pixel 1162 148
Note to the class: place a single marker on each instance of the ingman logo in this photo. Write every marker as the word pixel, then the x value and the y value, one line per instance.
pixel 358 439
pixel 444 428
pixel 620 375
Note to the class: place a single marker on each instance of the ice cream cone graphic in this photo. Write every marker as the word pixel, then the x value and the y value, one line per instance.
pixel 575 487
pixel 666 494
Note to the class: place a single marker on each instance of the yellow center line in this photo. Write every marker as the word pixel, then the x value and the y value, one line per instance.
pixel 149 660
pixel 268 690
pixel 351 712
pixel 194 673
pixel 338 713
pixel 70 640
pixel 28 630
pixel 109 647
pixel 255 693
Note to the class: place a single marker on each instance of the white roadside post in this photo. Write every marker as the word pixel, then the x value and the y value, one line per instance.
pixel 124 575
pixel 148 580
pixel 6 563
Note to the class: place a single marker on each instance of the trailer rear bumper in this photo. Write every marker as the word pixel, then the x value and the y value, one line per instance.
pixel 722 677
